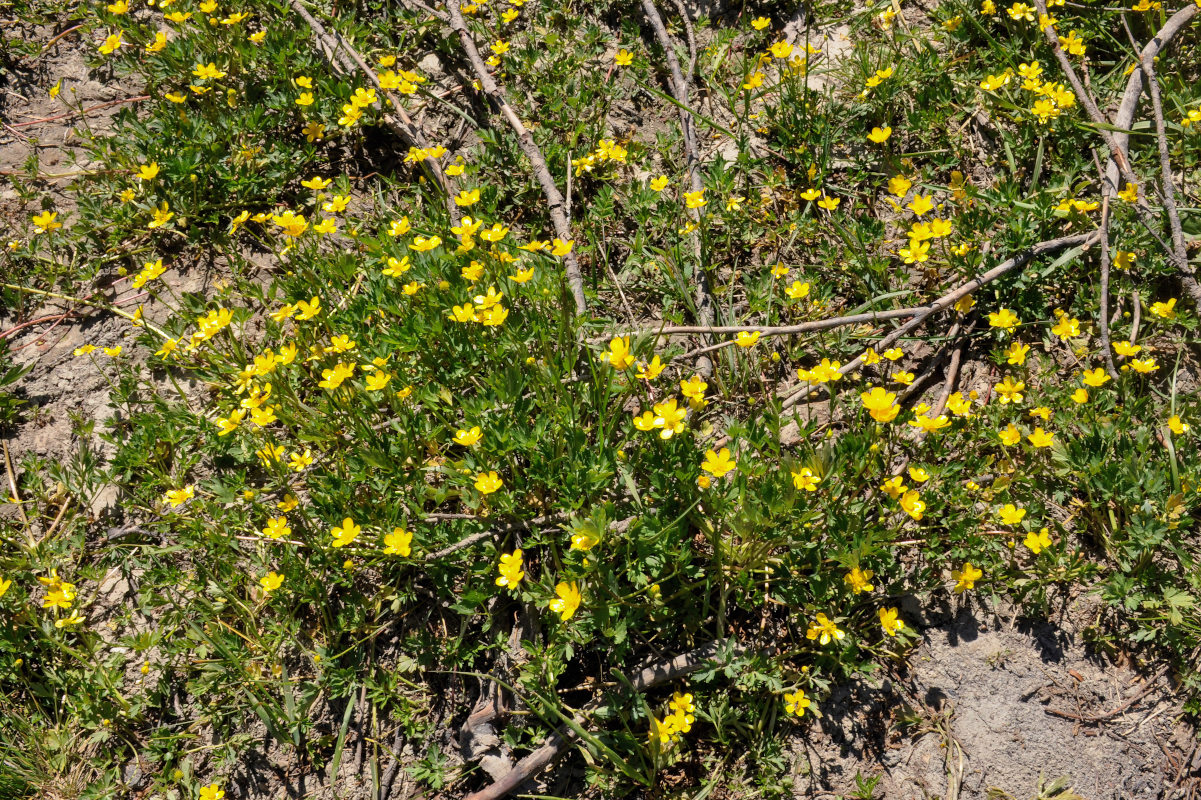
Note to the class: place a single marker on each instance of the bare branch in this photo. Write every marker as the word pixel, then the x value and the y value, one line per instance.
pixel 554 198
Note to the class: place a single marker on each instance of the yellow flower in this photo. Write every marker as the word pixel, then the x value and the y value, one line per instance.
pixel 619 355
pixel 522 275
pixel 377 380
pixel 1004 319
pixel 796 702
pixel 398 542
pixel 648 372
pixel 781 50
pixel 659 184
pixel 759 23
pixel 1041 438
pixel 207 71
pixel 797 290
pixel 913 505
pixel 46 221
pixel 810 194
pixel 1123 259
pixel 299 461
pixel 1130 193
pixel 1165 310
pixel 890 621
pixel 746 339
pixel 695 199
pixel 560 248
pixel 211 792
pixel 468 437
pixel 111 43
pixel 880 135
pixel 345 534
pixel 422 244
pixel 1037 542
pixel 511 569
pixel 1126 349
pixel 859 580
pixel 805 480
pixel 894 487
pixel 1143 365
pixel 829 203
pixel 1016 353
pixel 1010 391
pixel 488 482
pixel 177 497
pixel 467 197
pixel 824 630
pixel 333 378
pixel 670 417
pixel 899 185
pixel 1010 435
pixel 881 404
pixel 568 600
pixel 1094 377
pixel 1011 514
pixel 921 204
pixel 1080 396
pixel 271 581
pixel 903 378
pixel 162 215
pixel 276 528
pixel 718 463
pixel 966 578
pixel 623 58
pixel 1067 327
pixel 644 421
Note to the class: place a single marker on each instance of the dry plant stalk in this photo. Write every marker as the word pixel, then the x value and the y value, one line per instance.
pixel 554 198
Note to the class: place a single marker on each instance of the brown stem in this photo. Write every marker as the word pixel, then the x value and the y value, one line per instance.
pixel 554 199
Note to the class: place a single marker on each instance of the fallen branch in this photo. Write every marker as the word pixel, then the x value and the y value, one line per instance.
pixel 705 304
pixel 339 52
pixel 951 298
pixel 1107 715
pixel 550 519
pixel 771 330
pixel 565 736
pixel 1103 314
pixel 1168 187
pixel 80 113
pixel 554 199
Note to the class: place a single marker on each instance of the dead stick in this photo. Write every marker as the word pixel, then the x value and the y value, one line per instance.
pixel 1118 153
pixel 554 199
pixel 865 318
pixel 338 51
pixel 1103 316
pixel 82 113
pixel 491 532
pixel 950 298
pixel 705 305
pixel 1168 185
pixel 560 740
pixel 1146 690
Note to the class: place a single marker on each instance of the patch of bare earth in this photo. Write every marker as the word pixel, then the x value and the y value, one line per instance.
pixel 989 706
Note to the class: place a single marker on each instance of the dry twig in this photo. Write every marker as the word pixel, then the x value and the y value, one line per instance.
pixel 341 54
pixel 554 198
pixel 705 305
